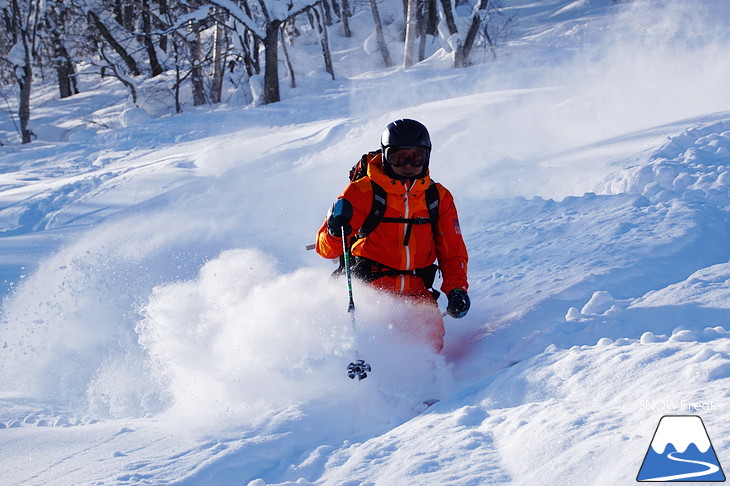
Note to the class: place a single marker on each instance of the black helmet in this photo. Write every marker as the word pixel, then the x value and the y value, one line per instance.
pixel 405 133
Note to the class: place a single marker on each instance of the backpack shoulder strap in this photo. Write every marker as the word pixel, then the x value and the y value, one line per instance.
pixel 377 210
pixel 432 201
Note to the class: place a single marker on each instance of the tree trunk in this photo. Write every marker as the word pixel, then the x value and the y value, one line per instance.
pixel 324 40
pixel 178 75
pixel 149 45
pixel 379 36
pixel 124 14
pixel 118 9
pixel 65 72
pixel 128 60
pixel 163 12
pixel 328 11
pixel 271 60
pixel 463 50
pixel 128 16
pixel 449 16
pixel 411 31
pixel 24 83
pixel 249 63
pixel 426 26
pixel 216 90
pixel 66 85
pixel 289 67
pixel 196 71
pixel 25 30
pixel 61 61
pixel 345 15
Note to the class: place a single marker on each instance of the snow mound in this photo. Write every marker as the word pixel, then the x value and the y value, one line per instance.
pixel 692 166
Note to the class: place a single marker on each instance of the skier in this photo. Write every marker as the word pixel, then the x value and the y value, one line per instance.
pixel 398 222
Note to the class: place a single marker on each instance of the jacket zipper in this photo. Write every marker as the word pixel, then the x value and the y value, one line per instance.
pixel 405 229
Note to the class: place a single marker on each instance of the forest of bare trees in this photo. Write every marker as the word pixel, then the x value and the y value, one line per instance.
pixel 195 44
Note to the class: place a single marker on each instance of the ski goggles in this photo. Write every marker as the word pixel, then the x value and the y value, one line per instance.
pixel 400 156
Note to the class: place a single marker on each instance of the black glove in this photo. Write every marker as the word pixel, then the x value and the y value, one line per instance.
pixel 338 217
pixel 459 304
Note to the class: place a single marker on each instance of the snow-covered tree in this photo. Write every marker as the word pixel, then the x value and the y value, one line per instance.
pixel 479 24
pixel 23 19
pixel 201 44
pixel 379 35
pixel 263 19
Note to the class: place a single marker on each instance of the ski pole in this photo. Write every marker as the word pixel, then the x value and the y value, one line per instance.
pixel 351 306
pixel 358 367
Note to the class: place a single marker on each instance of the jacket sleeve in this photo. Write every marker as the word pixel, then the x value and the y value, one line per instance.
pixel 360 196
pixel 450 248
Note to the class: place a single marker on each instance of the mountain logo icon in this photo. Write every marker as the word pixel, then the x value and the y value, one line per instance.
pixel 681 451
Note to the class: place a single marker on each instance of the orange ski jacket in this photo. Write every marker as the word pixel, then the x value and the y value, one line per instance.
pixel 385 244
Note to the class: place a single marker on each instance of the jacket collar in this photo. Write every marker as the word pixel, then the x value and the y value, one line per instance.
pixel 377 174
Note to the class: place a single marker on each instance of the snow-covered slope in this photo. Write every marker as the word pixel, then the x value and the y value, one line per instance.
pixel 163 324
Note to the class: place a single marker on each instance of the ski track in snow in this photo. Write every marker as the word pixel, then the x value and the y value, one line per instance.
pixel 163 325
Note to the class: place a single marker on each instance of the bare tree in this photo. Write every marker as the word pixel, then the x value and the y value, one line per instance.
pixel 321 28
pixel 449 16
pixel 464 47
pixel 199 40
pixel 287 60
pixel 482 23
pixel 379 35
pixel 155 65
pixel 271 56
pixel 107 36
pixel 60 23
pixel 345 16
pixel 427 24
pixel 268 35
pixel 119 73
pixel 411 31
pixel 24 21
pixel 219 53
pixel 196 71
